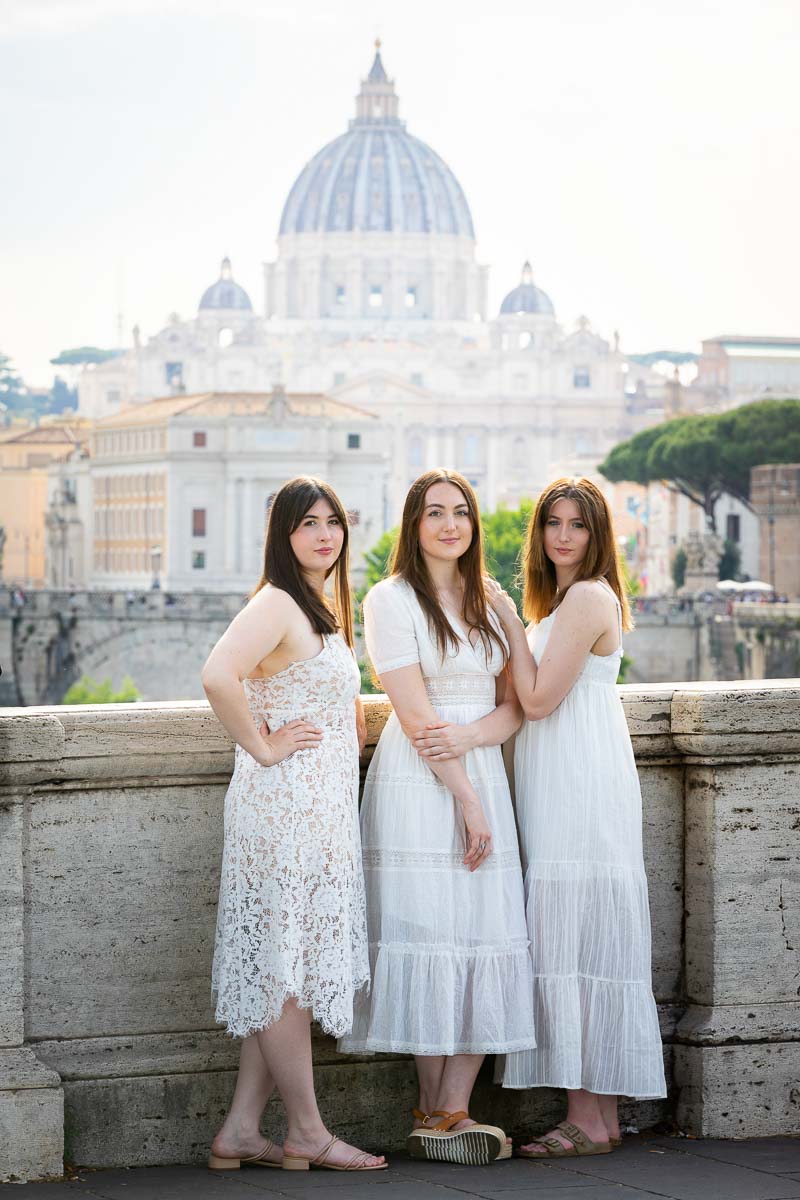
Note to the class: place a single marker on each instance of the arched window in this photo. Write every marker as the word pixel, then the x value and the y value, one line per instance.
pixel 416 451
pixel 472 450
pixel 225 338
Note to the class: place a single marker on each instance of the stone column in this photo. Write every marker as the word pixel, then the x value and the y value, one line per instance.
pixel 738 1059
pixel 31 1096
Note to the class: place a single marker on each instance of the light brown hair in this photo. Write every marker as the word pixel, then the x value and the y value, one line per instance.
pixel 281 568
pixel 602 561
pixel 408 562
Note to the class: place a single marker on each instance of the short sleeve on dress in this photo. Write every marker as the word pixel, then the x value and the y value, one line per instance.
pixel 389 628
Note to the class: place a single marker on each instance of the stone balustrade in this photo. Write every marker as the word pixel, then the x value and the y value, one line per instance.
pixel 111 834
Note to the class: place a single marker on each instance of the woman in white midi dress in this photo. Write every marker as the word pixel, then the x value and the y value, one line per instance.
pixel 291 927
pixel 580 818
pixel 451 978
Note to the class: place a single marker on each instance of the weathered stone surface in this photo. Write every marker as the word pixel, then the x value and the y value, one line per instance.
pixel 31 1117
pixel 743 883
pixel 739 1091
pixel 648 712
pixel 737 719
pixel 725 1024
pixel 662 815
pixel 11 923
pixel 126 947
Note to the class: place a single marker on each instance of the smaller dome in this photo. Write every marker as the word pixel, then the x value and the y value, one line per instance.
pixel 527 297
pixel 226 293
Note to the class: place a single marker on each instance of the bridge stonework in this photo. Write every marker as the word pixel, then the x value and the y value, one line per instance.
pixel 111 837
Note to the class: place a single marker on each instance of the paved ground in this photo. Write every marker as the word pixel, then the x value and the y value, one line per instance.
pixel 643 1168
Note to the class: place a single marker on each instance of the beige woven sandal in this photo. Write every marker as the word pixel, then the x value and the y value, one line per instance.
pixel 216 1163
pixel 581 1145
pixel 300 1162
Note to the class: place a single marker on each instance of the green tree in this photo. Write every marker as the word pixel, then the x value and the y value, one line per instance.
pixel 703 457
pixel 89 691
pixel 678 568
pixel 13 393
pixel 731 561
pixel 377 559
pixel 504 535
pixel 83 356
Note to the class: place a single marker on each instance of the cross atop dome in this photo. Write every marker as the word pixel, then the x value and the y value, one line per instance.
pixel 377 101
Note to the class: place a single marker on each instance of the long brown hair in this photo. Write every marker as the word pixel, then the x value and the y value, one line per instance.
pixel 602 560
pixel 408 562
pixel 281 568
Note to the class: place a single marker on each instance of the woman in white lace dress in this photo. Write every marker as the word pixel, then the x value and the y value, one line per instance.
pixel 448 944
pixel 291 931
pixel 580 814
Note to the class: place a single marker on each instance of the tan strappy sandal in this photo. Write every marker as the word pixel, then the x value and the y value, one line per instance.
pixel 475 1146
pixel 216 1163
pixel 581 1145
pixel 300 1162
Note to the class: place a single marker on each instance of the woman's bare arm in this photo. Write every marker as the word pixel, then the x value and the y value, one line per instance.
pixel 252 635
pixel 443 740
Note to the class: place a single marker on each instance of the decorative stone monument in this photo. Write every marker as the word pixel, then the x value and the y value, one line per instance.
pixel 703 554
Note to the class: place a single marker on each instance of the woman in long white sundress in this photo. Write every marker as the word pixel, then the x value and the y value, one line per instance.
pixel 580 816
pixel 451 975
pixel 291 929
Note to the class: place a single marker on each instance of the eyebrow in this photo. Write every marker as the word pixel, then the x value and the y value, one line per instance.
pixel 461 504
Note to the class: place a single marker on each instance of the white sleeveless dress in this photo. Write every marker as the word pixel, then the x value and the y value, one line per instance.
pixel 291 919
pixel 579 809
pixel 451 970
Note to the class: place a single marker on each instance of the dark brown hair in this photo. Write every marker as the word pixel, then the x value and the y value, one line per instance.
pixel 408 562
pixel 602 560
pixel 281 568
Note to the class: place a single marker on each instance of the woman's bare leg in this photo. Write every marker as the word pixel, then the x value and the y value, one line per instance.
pixel 240 1135
pixel 583 1110
pixel 286 1047
pixel 458 1080
pixel 429 1073
pixel 609 1106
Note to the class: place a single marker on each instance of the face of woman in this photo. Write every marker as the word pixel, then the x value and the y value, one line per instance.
pixel 445 528
pixel 317 541
pixel 566 538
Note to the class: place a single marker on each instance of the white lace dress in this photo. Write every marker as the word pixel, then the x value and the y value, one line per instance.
pixel 579 808
pixel 451 969
pixel 291 919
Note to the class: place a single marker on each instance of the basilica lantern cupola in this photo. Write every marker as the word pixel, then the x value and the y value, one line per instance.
pixel 527 317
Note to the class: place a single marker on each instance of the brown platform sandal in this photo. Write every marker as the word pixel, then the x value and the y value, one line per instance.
pixel 475 1146
pixel 300 1162
pixel 581 1145
pixel 614 1142
pixel 215 1163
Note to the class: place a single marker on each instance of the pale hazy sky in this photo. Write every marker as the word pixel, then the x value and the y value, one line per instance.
pixel 644 154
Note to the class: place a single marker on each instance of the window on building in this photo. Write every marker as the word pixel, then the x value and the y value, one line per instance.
pixel 416 450
pixel 341 293
pixel 733 527
pixel 339 378
pixel 525 340
pixel 520 382
pixel 113 397
pixel 198 522
pixel 411 297
pixel 198 560
pixel 518 452
pixel 199 438
pixel 225 338
pixel 173 373
pixel 581 377
pixel 417 379
pixel 354 441
pixel 375 296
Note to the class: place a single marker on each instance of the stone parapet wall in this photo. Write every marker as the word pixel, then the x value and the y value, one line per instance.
pixel 110 844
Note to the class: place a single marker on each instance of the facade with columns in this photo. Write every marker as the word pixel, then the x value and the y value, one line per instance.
pixel 376 299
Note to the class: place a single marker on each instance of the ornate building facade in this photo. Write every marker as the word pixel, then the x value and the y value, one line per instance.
pixel 376 299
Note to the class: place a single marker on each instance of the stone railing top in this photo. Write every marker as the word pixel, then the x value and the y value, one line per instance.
pixel 126 741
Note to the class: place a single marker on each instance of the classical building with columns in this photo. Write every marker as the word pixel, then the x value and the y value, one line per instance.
pixel 377 300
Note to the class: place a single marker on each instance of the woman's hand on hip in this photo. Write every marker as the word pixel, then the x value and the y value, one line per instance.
pixel 441 740
pixel 478 834
pixel 293 736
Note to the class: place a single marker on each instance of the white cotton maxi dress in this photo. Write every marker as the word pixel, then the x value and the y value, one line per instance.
pixel 291 919
pixel 579 809
pixel 451 970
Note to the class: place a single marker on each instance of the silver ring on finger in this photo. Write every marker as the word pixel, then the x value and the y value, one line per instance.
pixel 481 846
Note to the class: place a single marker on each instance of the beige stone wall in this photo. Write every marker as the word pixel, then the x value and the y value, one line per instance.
pixel 110 842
